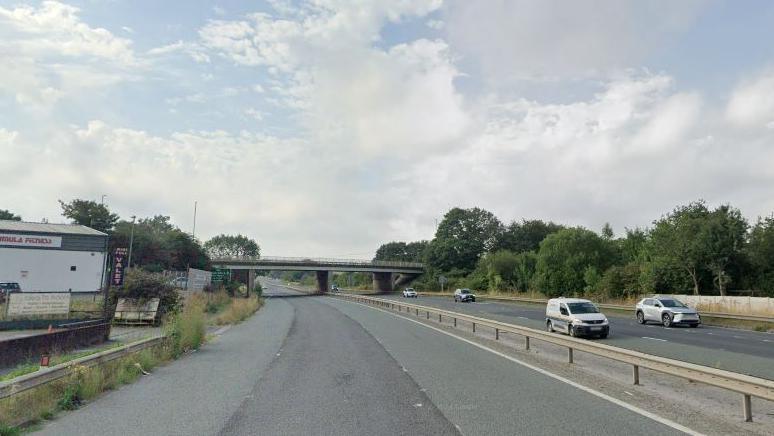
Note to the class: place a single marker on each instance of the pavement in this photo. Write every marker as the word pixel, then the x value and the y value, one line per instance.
pixel 743 351
pixel 317 365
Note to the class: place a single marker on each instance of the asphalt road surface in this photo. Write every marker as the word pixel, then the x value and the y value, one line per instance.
pixel 742 351
pixel 318 365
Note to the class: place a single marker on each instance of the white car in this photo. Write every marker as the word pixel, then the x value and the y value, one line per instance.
pixel 666 310
pixel 464 295
pixel 409 293
pixel 576 317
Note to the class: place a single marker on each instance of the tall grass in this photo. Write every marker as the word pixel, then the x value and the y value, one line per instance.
pixel 186 330
pixel 239 310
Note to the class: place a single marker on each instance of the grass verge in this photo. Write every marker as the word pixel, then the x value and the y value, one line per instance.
pixel 30 367
pixel 185 331
pixel 239 310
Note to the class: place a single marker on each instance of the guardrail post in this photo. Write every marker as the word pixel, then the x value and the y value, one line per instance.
pixel 497 334
pixel 428 314
pixel 439 318
pixel 474 327
pixel 526 342
pixel 417 312
pixel 569 355
pixel 635 374
pixel 455 322
pixel 747 408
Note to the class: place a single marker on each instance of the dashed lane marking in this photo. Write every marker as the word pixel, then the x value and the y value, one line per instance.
pixel 654 339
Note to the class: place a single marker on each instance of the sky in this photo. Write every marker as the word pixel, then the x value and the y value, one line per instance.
pixel 328 127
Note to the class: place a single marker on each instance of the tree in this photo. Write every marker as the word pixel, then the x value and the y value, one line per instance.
pixel 8 215
pixel 462 238
pixel 568 259
pixel 760 252
pixel 633 246
pixel 159 245
pixel 607 232
pixel 722 237
pixel 90 214
pixel 401 251
pixel 526 235
pixel 674 240
pixel 232 246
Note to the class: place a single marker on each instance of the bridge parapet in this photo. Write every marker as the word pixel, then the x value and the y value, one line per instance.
pixel 308 261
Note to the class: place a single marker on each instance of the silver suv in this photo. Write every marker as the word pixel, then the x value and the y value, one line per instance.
pixel 464 295
pixel 667 311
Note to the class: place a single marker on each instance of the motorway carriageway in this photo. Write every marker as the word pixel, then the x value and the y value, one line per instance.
pixel 742 351
pixel 324 366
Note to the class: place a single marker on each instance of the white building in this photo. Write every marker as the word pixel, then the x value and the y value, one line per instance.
pixel 52 257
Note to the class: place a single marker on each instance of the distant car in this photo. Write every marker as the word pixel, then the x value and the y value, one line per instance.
pixel 410 293
pixel 7 288
pixel 464 295
pixel 666 310
pixel 335 288
pixel 576 317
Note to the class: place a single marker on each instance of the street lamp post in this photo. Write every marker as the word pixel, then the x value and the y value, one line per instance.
pixel 131 243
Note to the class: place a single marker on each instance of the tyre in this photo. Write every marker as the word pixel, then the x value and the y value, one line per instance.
pixel 640 318
pixel 603 336
pixel 666 319
pixel 550 326
pixel 571 330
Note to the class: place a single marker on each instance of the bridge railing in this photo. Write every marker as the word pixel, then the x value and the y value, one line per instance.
pixel 319 261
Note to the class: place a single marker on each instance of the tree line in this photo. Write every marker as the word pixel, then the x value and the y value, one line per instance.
pixel 692 249
pixel 157 244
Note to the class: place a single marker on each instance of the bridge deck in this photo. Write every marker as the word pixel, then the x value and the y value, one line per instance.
pixel 317 264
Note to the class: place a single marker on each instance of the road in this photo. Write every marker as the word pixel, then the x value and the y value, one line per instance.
pixel 742 351
pixel 318 365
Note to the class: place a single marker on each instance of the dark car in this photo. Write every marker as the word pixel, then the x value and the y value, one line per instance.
pixel 7 288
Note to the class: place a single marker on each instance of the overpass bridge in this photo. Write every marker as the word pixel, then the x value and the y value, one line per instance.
pixel 388 275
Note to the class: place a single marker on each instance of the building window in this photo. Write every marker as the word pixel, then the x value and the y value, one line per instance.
pixel 72 268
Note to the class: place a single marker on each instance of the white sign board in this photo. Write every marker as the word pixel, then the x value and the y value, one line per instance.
pixel 129 309
pixel 198 279
pixel 30 240
pixel 38 303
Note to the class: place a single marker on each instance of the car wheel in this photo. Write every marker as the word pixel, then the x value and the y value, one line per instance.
pixel 571 330
pixel 640 318
pixel 550 326
pixel 666 319
pixel 603 336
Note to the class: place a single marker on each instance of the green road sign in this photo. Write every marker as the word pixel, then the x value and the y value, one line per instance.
pixel 220 275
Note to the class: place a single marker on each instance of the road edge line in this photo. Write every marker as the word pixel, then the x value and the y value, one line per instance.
pixel 616 401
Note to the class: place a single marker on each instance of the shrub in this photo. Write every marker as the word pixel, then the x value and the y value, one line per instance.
pixel 258 289
pixel 143 286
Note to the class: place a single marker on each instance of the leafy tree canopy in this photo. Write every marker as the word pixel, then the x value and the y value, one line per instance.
pixel 8 215
pixel 90 214
pixel 232 246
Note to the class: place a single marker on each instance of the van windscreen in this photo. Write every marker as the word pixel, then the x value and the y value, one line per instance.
pixel 578 308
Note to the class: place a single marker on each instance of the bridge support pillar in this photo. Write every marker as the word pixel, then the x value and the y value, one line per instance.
pixel 383 282
pixel 323 281
pixel 250 281
pixel 403 279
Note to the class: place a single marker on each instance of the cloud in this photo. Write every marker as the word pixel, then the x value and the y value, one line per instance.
pixel 752 102
pixel 55 27
pixel 50 54
pixel 553 39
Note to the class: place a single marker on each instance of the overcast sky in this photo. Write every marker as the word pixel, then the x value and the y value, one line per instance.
pixel 326 127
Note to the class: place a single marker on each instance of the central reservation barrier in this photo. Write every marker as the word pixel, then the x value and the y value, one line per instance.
pixel 746 385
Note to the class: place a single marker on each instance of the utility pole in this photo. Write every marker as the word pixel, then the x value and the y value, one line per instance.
pixel 131 243
pixel 102 202
pixel 193 233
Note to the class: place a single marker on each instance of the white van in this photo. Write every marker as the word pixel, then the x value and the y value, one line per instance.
pixel 576 317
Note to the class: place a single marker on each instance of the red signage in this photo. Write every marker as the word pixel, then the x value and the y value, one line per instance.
pixel 30 240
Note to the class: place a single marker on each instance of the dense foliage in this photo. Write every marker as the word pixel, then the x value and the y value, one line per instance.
pixel 693 249
pixel 8 215
pixel 232 246
pixel 89 213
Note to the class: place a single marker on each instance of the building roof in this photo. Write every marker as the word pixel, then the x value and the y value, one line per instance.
pixel 28 227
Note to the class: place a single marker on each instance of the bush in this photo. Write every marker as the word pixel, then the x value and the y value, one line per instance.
pixel 187 328
pixel 258 289
pixel 143 286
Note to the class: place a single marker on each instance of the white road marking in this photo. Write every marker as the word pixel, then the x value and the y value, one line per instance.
pixel 628 393
pixel 737 337
pixel 625 405
pixel 655 339
pixel 766 340
pixel 522 317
